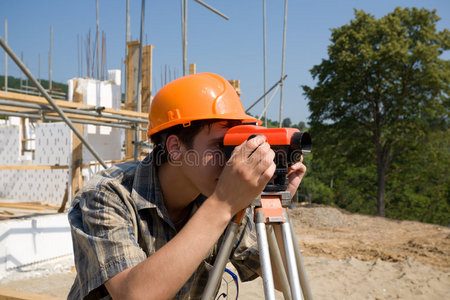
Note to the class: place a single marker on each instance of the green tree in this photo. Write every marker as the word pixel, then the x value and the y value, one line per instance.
pixel 382 90
pixel 286 122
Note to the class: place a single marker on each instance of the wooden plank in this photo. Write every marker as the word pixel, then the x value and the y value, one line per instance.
pixel 132 67
pixel 8 294
pixel 192 69
pixel 146 78
pixel 25 205
pixel 29 167
pixel 108 162
pixel 146 91
pixel 66 104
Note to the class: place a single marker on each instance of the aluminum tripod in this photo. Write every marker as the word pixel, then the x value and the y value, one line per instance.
pixel 270 209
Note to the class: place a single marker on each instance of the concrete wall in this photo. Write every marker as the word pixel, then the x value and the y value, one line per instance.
pixel 32 240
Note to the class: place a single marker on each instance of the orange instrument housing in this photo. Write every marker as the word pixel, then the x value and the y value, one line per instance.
pixel 289 144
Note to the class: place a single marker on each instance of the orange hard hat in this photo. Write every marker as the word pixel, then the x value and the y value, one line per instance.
pixel 194 97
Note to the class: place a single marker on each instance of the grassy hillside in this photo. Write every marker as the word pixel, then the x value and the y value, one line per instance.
pixel 14 82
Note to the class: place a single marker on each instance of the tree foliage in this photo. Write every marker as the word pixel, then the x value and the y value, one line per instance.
pixel 380 101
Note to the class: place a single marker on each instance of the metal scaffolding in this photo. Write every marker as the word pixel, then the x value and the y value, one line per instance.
pixel 45 108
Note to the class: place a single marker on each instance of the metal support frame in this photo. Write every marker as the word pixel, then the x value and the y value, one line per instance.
pixel 42 116
pixel 264 59
pixel 270 208
pixel 55 106
pixel 212 9
pixel 139 83
pixel 81 111
pixel 6 56
pixel 282 60
pixel 184 18
pixel 265 94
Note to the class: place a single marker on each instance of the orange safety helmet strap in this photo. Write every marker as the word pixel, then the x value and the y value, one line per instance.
pixel 195 97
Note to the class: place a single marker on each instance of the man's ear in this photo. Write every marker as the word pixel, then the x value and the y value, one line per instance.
pixel 174 147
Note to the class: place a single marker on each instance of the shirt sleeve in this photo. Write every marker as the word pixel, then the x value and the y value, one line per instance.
pixel 245 257
pixel 104 238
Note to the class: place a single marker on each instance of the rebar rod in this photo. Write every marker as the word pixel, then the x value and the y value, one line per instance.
pixel 212 9
pixel 97 42
pixel 127 39
pixel 265 59
pixel 50 100
pixel 139 83
pixel 282 61
pixel 6 56
pixel 270 101
pixel 259 99
pixel 50 59
pixel 184 17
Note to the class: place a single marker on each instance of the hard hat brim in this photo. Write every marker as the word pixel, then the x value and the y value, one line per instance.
pixel 187 122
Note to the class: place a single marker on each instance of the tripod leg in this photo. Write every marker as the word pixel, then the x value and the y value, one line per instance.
pixel 269 288
pixel 275 256
pixel 301 267
pixel 290 261
pixel 221 260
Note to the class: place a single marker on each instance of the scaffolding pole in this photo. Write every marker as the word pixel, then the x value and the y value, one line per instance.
pixel 139 83
pixel 52 103
pixel 265 59
pixel 51 118
pixel 282 60
pixel 49 60
pixel 265 94
pixel 6 56
pixel 85 112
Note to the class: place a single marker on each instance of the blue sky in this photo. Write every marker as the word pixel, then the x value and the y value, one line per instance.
pixel 233 48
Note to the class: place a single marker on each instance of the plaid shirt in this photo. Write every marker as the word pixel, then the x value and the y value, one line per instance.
pixel 119 219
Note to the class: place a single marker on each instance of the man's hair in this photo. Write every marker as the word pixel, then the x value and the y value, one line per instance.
pixel 185 134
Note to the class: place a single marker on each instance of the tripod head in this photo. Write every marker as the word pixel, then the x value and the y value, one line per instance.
pixel 289 144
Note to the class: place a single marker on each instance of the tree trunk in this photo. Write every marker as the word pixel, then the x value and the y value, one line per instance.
pixel 381 183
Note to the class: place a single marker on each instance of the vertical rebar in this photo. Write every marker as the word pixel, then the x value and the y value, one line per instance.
pixel 6 56
pixel 98 46
pixel 184 17
pixel 50 60
pixel 265 60
pixel 139 84
pixel 39 71
pixel 182 34
pixel 21 83
pixel 282 61
pixel 78 54
pixel 127 39
pixel 141 41
pixel 55 106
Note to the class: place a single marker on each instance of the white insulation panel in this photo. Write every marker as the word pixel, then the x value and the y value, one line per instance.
pixel 53 144
pixel 47 186
pixel 9 144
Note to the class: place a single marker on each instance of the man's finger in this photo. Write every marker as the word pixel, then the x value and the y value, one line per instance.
pixel 249 146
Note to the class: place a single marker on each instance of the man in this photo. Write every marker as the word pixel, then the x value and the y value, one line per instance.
pixel 150 230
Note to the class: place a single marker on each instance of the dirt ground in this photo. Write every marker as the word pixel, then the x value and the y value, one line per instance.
pixel 347 256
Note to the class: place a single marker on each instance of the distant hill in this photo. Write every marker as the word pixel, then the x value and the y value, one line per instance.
pixel 14 83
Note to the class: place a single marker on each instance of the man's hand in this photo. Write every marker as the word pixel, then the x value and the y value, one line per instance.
pixel 246 173
pixel 295 175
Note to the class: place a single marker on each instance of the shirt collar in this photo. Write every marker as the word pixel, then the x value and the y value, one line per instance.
pixel 147 191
